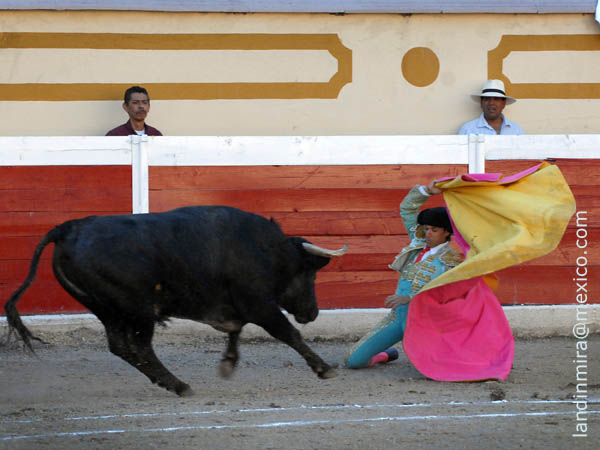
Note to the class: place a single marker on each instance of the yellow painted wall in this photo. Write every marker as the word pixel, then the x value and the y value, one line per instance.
pixel 63 73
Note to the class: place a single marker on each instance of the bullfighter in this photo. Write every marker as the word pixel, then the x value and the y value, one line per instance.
pixel 426 257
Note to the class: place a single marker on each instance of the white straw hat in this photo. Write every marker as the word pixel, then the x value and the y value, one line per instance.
pixel 493 88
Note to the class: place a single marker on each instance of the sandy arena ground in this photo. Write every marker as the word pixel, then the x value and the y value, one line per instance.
pixel 76 395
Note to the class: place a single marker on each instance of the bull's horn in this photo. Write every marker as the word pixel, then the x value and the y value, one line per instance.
pixel 320 251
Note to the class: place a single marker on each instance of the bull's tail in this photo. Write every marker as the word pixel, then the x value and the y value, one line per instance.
pixel 12 315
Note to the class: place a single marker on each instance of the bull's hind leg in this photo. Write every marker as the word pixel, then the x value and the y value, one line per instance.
pixel 231 355
pixel 133 343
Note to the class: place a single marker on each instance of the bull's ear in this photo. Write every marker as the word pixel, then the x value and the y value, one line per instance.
pixel 315 262
pixel 309 261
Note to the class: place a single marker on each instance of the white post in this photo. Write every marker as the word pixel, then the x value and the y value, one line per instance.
pixel 480 155
pixel 476 153
pixel 139 174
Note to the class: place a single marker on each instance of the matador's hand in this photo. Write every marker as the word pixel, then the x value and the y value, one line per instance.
pixel 432 189
pixel 393 301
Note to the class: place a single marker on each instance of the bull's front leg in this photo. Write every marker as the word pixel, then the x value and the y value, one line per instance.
pixel 278 326
pixel 231 355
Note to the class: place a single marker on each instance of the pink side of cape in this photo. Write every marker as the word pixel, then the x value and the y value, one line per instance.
pixel 458 332
pixel 494 177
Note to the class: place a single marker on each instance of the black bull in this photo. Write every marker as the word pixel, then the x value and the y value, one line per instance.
pixel 211 264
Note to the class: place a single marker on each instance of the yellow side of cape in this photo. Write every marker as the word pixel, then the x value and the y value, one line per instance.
pixel 506 223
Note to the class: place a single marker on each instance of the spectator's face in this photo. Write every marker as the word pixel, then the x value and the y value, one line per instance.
pixel 138 106
pixel 492 107
pixel 435 236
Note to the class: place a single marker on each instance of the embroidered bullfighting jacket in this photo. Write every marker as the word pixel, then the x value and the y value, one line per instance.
pixel 415 275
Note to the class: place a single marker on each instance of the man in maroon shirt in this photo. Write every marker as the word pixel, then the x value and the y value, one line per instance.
pixel 137 105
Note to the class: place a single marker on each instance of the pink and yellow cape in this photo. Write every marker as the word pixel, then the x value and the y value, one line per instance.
pixel 456 329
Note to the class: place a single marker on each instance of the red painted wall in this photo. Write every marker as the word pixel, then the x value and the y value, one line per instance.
pixel 329 205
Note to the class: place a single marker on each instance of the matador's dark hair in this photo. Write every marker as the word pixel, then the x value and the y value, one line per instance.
pixel 437 217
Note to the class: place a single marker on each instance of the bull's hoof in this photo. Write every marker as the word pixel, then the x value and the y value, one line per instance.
pixel 185 391
pixel 329 373
pixel 226 368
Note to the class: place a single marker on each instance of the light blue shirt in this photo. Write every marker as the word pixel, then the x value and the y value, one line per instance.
pixel 480 126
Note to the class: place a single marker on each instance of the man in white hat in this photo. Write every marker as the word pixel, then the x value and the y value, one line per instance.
pixel 492 99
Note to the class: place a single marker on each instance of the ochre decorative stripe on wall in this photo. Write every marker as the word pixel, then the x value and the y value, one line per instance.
pixel 183 42
pixel 543 43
